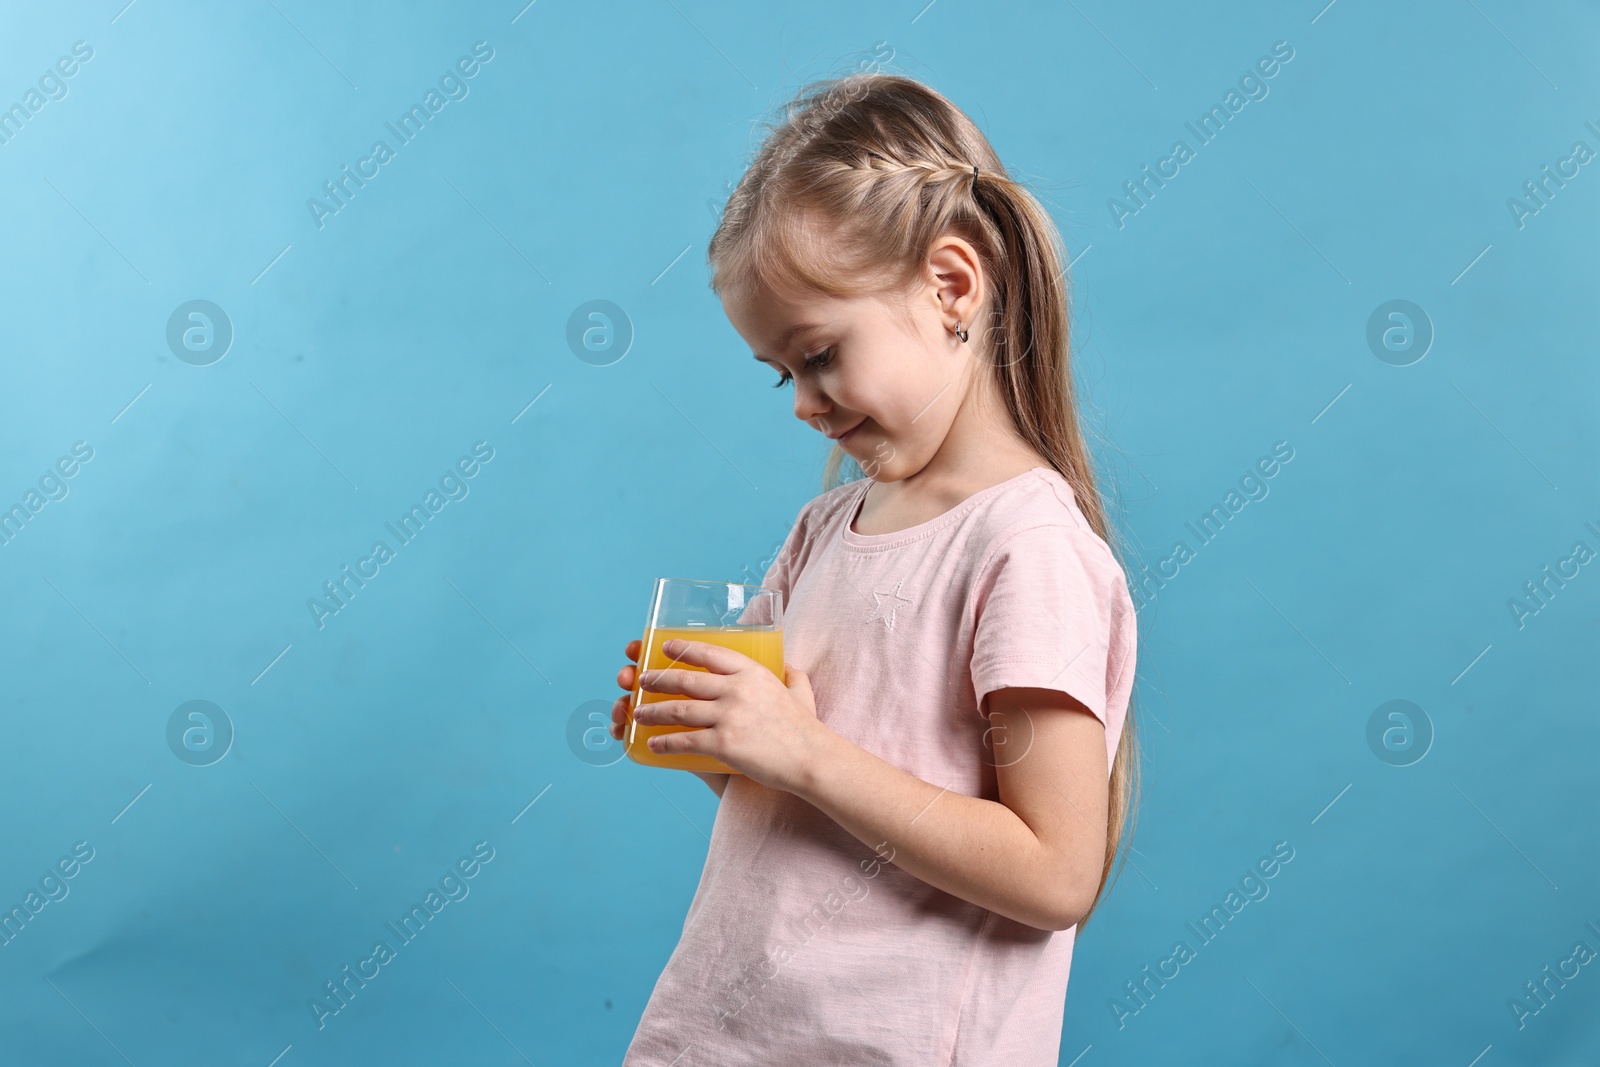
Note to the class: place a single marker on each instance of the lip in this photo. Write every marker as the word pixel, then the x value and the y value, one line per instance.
pixel 847 433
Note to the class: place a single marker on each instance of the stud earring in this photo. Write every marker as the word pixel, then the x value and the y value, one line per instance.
pixel 960 332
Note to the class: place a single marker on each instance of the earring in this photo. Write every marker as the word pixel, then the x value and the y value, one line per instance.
pixel 960 332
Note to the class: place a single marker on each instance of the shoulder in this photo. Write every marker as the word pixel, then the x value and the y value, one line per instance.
pixel 815 516
pixel 1040 515
pixel 827 505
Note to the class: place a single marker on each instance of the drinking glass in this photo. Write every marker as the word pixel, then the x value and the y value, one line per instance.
pixel 745 618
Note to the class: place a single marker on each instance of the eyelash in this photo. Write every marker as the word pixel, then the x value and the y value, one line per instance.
pixel 821 359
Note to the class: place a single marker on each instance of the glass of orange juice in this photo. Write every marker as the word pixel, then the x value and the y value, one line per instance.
pixel 745 618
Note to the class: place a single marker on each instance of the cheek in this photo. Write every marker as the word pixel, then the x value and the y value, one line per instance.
pixel 885 394
pixel 902 407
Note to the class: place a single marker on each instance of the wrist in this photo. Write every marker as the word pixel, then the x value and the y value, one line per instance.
pixel 822 755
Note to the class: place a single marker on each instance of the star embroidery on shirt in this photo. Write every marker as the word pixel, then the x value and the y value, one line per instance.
pixel 893 600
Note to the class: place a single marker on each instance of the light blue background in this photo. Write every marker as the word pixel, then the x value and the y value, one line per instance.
pixel 588 162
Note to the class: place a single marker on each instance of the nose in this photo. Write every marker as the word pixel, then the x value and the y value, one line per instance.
pixel 810 407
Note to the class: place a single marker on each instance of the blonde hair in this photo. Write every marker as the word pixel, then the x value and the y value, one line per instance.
pixel 845 197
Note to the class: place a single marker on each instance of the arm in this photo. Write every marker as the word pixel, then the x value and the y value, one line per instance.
pixel 1034 856
pixel 717 781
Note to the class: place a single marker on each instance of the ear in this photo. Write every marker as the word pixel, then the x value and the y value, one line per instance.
pixel 956 280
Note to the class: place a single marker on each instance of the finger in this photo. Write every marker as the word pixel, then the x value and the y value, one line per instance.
pixel 679 742
pixel 631 650
pixel 627 676
pixel 675 713
pixel 619 717
pixel 714 658
pixel 683 682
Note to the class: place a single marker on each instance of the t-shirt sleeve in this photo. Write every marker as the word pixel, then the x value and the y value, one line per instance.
pixel 1044 603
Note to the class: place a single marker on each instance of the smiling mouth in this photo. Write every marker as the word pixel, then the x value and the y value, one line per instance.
pixel 850 431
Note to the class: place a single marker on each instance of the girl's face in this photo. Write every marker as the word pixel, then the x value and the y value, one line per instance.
pixel 887 382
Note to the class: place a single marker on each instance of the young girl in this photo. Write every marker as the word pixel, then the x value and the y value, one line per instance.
pixel 931 803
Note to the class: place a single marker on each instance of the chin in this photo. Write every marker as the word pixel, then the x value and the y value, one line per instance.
pixel 877 463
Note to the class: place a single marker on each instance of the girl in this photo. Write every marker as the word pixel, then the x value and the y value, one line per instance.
pixel 930 808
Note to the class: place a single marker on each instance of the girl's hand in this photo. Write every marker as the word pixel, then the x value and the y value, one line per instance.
pixel 717 780
pixel 625 678
pixel 766 728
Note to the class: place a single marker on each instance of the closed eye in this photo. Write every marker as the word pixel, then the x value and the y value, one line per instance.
pixel 821 359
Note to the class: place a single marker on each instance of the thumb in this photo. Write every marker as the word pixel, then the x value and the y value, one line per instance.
pixel 795 678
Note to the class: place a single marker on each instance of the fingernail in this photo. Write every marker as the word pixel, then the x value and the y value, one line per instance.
pixel 649 677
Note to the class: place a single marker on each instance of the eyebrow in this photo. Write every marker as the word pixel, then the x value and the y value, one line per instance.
pixel 788 337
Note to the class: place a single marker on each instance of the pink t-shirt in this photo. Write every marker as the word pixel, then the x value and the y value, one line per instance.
pixel 801 945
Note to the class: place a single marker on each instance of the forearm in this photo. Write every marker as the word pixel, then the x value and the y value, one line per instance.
pixel 976 849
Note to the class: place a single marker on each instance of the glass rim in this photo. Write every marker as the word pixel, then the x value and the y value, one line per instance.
pixel 721 585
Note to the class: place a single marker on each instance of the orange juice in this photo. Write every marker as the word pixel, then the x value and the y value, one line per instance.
pixel 764 644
